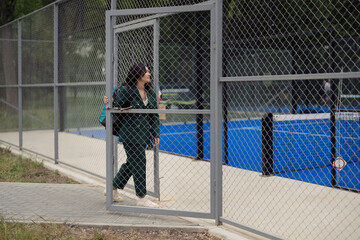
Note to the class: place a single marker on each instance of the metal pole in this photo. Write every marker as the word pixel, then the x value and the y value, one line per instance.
pixel 225 104
pixel 61 75
pixel 332 133
pixel 267 144
pixel 332 110
pixel 109 87
pixel 294 84
pixel 20 84
pixel 216 111
pixel 156 81
pixel 56 81
pixel 199 85
pixel 212 114
pixel 115 76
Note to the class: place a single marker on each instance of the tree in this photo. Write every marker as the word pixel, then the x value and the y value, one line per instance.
pixel 10 10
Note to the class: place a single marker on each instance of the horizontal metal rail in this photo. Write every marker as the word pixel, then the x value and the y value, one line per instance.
pixel 76 84
pixel 155 111
pixel 340 75
pixel 160 211
pixel 180 9
pixel 153 17
pixel 249 229
pixel 34 12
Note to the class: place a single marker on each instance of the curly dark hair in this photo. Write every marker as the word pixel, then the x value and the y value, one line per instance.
pixel 135 73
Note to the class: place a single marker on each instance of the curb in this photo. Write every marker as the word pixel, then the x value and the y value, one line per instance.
pixel 140 228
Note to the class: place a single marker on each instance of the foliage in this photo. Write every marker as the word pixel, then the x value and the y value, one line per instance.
pixel 13 9
pixel 261 18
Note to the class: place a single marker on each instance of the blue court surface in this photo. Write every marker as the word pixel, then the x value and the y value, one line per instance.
pixel 301 149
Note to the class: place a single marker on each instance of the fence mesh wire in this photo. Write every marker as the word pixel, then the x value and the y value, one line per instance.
pixel 320 120
pixel 9 95
pixel 183 76
pixel 314 121
pixel 282 37
pixel 37 50
pixel 82 62
pixel 82 41
pixel 38 47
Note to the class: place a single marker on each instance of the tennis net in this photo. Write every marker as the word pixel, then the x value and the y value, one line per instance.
pixel 303 141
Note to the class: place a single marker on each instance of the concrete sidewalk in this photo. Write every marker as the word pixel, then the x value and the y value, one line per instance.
pixel 74 204
pixel 84 205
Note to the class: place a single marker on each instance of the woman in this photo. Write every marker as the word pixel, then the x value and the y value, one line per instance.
pixel 136 130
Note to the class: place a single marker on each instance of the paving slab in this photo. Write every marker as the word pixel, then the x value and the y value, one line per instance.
pixel 73 204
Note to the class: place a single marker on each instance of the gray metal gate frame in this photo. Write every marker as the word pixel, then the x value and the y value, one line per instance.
pixel 215 9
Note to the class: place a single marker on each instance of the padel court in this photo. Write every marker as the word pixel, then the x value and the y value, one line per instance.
pixel 301 146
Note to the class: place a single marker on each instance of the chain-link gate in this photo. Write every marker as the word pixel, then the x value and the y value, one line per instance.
pixel 178 172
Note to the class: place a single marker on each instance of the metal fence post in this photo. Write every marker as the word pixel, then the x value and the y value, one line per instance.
pixel 56 81
pixel 199 85
pixel 115 74
pixel 20 83
pixel 156 81
pixel 267 144
pixel 333 91
pixel 216 111
pixel 109 87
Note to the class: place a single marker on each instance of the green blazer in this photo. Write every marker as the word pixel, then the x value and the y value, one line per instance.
pixel 137 128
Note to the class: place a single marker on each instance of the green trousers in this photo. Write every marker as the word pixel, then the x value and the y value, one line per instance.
pixel 135 166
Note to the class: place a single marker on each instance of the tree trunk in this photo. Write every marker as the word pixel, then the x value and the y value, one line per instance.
pixel 9 66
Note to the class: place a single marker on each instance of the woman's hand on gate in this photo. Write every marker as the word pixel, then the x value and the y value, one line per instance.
pixel 106 100
pixel 156 141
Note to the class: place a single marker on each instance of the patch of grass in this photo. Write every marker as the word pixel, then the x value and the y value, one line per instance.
pixel 14 168
pixel 43 231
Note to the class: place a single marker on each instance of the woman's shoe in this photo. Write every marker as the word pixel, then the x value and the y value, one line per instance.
pixel 116 196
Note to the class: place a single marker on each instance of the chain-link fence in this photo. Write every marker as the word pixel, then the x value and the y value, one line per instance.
pixel 287 162
pixel 286 121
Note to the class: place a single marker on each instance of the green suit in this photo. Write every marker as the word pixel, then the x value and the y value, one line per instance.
pixel 135 133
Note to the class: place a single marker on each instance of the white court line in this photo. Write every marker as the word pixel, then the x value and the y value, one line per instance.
pixel 193 132
pixel 259 129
